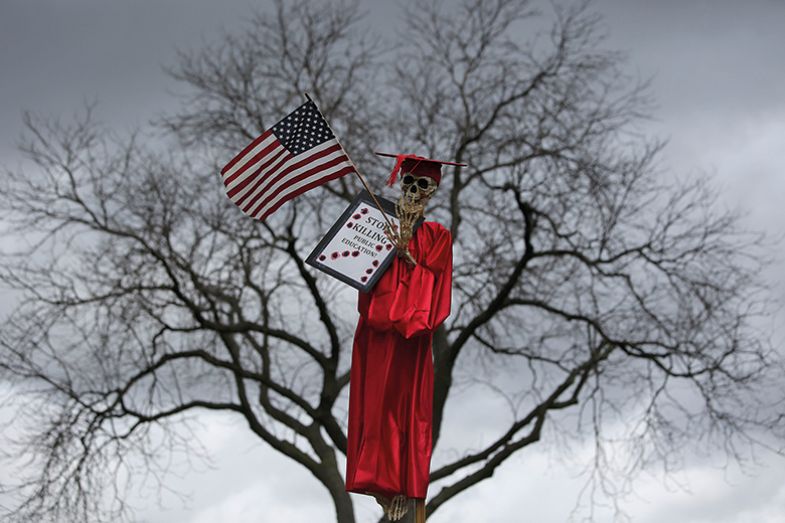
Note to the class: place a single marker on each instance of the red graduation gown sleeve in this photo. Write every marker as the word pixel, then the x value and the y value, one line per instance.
pixel 391 391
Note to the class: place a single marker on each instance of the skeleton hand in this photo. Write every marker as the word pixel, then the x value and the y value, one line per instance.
pixel 401 244
pixel 392 235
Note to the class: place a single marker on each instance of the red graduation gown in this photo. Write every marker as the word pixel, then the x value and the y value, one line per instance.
pixel 391 391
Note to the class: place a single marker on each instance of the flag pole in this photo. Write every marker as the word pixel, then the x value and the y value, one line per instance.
pixel 356 171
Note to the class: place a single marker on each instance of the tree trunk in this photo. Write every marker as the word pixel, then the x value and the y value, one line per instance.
pixel 344 509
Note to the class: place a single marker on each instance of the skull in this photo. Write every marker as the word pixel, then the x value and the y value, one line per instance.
pixel 415 193
pixel 416 188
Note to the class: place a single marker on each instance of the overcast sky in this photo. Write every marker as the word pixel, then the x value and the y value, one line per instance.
pixel 718 72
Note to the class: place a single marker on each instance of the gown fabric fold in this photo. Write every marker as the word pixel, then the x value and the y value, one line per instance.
pixel 391 388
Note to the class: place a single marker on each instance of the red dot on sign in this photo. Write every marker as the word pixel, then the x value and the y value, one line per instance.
pixel 375 263
pixel 356 253
pixel 378 247
pixel 389 246
pixel 335 255
pixel 368 271
pixel 346 253
pixel 322 257
pixel 356 216
pixel 349 225
pixel 364 279
pixel 364 210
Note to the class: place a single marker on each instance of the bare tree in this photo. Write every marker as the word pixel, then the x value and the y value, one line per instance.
pixel 586 282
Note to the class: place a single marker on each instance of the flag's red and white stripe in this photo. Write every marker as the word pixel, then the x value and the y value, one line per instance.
pixel 265 175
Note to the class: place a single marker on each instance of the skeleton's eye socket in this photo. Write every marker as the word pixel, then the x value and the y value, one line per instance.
pixel 423 183
pixel 408 179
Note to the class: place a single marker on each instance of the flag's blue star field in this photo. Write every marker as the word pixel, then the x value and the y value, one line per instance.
pixel 303 129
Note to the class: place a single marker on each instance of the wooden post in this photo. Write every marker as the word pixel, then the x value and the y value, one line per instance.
pixel 419 511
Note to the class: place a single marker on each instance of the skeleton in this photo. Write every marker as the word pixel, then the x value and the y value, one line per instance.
pixel 410 207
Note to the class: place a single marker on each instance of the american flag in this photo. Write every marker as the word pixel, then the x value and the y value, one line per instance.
pixel 297 154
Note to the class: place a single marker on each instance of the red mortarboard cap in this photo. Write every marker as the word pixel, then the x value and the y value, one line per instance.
pixel 417 165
